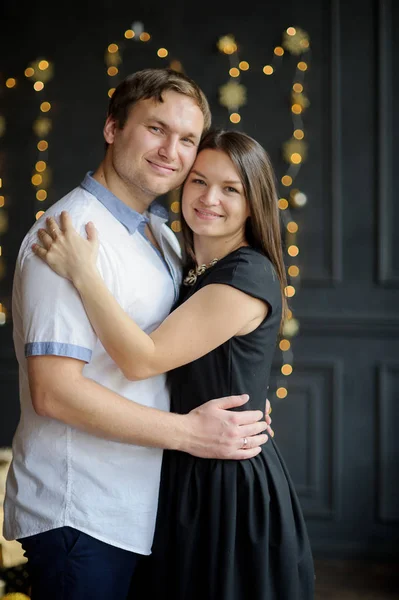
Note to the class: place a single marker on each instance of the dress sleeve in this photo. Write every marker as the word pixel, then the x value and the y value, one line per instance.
pixel 252 273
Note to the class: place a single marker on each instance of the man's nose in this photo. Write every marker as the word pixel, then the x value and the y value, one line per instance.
pixel 168 149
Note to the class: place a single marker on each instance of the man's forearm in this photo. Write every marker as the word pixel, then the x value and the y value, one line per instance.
pixel 60 391
pixel 87 405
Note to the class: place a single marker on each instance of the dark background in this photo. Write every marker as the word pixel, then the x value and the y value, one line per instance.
pixel 337 426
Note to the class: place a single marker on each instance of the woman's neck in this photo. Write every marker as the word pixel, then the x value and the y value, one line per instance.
pixel 207 248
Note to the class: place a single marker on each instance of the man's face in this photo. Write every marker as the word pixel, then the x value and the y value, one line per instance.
pixel 158 144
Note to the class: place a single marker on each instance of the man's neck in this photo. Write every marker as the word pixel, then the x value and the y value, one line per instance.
pixel 128 194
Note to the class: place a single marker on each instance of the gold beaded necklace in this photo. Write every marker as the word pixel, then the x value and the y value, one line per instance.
pixel 193 274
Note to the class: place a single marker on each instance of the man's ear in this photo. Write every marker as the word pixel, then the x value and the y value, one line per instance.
pixel 109 130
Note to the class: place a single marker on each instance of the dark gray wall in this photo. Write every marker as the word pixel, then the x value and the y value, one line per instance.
pixel 336 428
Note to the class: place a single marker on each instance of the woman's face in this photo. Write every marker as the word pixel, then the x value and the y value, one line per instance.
pixel 213 202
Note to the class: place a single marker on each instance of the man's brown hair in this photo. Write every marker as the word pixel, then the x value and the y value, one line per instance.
pixel 151 83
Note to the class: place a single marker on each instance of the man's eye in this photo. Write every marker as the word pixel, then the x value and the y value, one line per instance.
pixel 155 129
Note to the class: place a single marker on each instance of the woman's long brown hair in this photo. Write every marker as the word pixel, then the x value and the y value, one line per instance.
pixel 262 230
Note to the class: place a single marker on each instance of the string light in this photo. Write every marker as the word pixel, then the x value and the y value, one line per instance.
pixel 41 72
pixel 232 95
pixel 114 52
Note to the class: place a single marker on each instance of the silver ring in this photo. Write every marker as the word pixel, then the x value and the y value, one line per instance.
pixel 244 443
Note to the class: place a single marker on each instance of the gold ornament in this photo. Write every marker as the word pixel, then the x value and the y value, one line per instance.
pixel 297 43
pixel 227 44
pixel 112 59
pixel 232 95
pixel 290 328
pixel 193 274
pixel 42 126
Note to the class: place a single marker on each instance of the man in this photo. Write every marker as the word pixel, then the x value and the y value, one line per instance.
pixel 82 490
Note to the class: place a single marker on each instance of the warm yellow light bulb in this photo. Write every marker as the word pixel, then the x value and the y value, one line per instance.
pixel 292 227
pixel 43 65
pixel 286 180
pixel 291 31
pixel 45 106
pixel 286 369
pixel 234 72
pixel 283 203
pixel 175 207
pixel 235 118
pixel 279 51
pixel 293 250
pixel 38 86
pixel 284 345
pixel 299 134
pixel 244 66
pixel 29 72
pixel 112 48
pixel 2 201
pixel 298 88
pixel 162 53
pixel 268 70
pixel 110 92
pixel 281 392
pixel 296 158
pixel 41 195
pixel 289 291
pixel 302 66
pixel 176 226
pixel 40 166
pixel 296 109
pixel 36 179
pixel 112 71
pixel 129 34
pixel 145 37
pixel 11 82
pixel 293 271
pixel 39 214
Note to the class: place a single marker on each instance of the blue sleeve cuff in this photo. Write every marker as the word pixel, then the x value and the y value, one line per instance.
pixel 58 349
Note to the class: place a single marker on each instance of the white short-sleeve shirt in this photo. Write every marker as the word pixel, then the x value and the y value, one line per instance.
pixel 60 475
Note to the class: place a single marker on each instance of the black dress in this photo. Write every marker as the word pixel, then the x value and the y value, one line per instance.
pixel 229 530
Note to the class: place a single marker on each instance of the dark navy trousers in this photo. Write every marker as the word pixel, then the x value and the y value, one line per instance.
pixel 66 564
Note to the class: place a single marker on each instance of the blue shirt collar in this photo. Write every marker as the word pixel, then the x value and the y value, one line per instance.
pixel 130 218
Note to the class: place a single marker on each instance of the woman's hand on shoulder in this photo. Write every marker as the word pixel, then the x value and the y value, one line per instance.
pixel 63 249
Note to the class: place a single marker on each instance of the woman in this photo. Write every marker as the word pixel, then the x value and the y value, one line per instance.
pixel 226 530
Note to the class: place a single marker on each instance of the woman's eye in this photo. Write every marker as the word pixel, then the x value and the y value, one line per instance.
pixel 231 189
pixel 200 181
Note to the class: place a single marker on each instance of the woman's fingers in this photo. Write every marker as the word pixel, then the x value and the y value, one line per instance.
pixel 91 232
pixel 45 238
pixel 52 228
pixel 39 251
pixel 66 221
